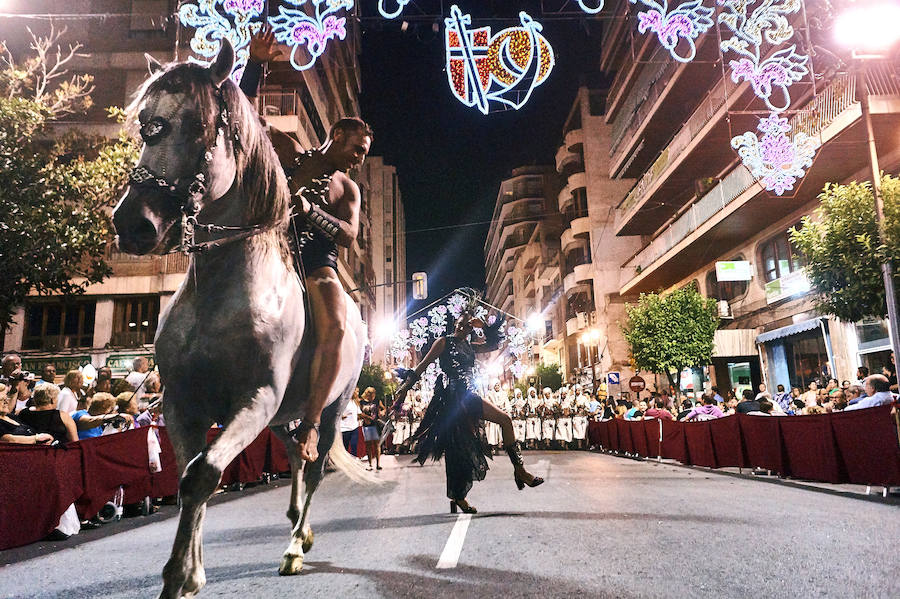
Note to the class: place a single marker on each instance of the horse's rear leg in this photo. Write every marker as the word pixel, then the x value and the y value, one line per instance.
pixel 183 574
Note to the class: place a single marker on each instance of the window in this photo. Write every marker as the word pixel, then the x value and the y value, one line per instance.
pixel 779 257
pixel 725 290
pixel 135 320
pixel 55 325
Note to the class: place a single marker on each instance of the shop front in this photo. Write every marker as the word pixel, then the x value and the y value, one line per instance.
pixel 799 354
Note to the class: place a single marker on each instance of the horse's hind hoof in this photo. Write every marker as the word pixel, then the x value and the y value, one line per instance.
pixel 291 565
pixel 308 541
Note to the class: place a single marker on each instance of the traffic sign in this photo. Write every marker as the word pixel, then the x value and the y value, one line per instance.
pixel 613 378
pixel 637 384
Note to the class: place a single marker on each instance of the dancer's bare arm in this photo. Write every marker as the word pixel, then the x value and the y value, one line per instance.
pixel 437 348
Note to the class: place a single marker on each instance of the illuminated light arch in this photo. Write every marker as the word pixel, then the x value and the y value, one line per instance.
pixel 764 23
pixel 234 22
pixel 296 29
pixel 586 6
pixel 775 159
pixel 684 22
pixel 401 4
pixel 503 69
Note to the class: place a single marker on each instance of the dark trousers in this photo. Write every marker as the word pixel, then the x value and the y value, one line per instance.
pixel 350 440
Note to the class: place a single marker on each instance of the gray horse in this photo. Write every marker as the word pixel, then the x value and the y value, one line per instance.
pixel 230 345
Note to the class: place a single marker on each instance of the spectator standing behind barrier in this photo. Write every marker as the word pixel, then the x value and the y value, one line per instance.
pixel 782 398
pixel 878 392
pixel 44 417
pixel 137 378
pixel 811 396
pixel 708 411
pixel 659 411
pixel 90 422
pixel 103 382
pixel 350 423
pixel 71 397
pixel 13 431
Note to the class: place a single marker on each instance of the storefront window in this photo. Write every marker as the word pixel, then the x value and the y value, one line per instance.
pixel 807 359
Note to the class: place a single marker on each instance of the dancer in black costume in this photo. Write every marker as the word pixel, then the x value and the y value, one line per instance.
pixel 453 424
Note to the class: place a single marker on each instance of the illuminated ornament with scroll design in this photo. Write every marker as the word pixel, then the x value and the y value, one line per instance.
pixel 766 22
pixel 687 22
pixel 297 29
pixel 215 20
pixel 774 159
pixel 591 7
pixel 400 5
pixel 501 69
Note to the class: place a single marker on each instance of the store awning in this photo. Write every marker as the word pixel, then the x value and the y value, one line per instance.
pixel 800 327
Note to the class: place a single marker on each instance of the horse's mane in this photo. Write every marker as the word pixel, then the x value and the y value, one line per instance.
pixel 259 173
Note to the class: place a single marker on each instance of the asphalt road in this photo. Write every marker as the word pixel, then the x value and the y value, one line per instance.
pixel 600 527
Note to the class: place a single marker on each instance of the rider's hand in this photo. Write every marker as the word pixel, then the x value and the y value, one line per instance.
pixel 263 47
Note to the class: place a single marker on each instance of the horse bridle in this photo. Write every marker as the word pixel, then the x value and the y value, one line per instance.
pixel 189 195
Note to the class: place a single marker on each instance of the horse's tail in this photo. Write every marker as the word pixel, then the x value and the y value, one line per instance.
pixel 350 465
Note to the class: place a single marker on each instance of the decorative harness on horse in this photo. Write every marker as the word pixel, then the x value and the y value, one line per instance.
pixel 190 194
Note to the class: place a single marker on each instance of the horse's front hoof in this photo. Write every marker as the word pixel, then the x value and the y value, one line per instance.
pixel 291 565
pixel 308 541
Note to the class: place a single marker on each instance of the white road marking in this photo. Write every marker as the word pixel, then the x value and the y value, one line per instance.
pixel 450 555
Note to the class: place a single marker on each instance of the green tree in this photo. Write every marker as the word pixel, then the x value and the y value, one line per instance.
pixel 549 375
pixel 55 189
pixel 372 375
pixel 844 252
pixel 671 332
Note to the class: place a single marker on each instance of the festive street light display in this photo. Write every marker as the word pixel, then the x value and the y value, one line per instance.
pixel 399 5
pixel 501 69
pixel 238 20
pixel 684 22
pixel 775 159
pixel 591 7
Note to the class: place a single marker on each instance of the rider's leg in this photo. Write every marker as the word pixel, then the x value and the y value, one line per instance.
pixel 326 297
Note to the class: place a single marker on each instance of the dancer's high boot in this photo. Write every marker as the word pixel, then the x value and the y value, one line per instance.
pixel 515 456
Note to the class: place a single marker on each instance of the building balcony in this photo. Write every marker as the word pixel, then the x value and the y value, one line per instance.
pixel 566 158
pixel 579 229
pixel 581 275
pixel 575 141
pixel 564 198
pixel 738 208
pixel 546 273
pixel 577 181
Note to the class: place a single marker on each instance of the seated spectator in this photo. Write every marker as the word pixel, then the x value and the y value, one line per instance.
pixel 633 410
pixel 48 376
pixel 845 385
pixel 782 398
pixel 765 409
pixel 686 406
pixel 659 411
pixel 103 382
pixel 878 393
pixel 21 386
pixel 126 403
pixel 730 406
pixel 90 422
pixel 71 397
pixel 853 394
pixel 44 417
pixel 797 407
pixel 718 398
pixel 837 401
pixel 763 393
pixel 747 404
pixel 810 396
pixel 13 431
pixel 816 409
pixel 708 411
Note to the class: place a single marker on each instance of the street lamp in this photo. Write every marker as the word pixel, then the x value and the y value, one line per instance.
pixel 870 31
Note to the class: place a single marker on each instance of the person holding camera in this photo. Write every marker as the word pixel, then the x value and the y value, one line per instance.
pixel 13 431
pixel 100 413
pixel 44 417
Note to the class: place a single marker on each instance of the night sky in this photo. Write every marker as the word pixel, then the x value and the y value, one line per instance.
pixel 450 159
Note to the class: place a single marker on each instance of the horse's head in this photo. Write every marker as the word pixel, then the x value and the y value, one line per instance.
pixel 188 160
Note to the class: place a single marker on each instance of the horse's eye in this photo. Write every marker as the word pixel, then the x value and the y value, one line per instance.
pixel 191 127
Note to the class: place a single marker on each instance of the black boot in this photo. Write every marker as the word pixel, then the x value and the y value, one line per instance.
pixel 515 456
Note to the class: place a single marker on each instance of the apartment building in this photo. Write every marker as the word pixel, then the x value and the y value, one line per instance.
pixel 383 202
pixel 116 320
pixel 695 203
pixel 522 253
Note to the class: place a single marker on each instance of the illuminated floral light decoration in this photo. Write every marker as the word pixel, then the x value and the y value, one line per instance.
pixel 235 23
pixel 401 4
pixel 238 20
pixel 766 21
pixel 774 159
pixel 296 29
pixel 503 69
pixel 685 22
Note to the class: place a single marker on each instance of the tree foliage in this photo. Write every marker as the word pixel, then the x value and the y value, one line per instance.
pixel 55 189
pixel 844 251
pixel 549 375
pixel 671 332
pixel 372 375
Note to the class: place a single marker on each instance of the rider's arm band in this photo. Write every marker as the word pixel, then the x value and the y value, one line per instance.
pixel 323 222
pixel 250 78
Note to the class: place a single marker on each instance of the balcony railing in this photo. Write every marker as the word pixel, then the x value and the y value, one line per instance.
pixel 279 104
pixel 812 119
pixel 646 89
